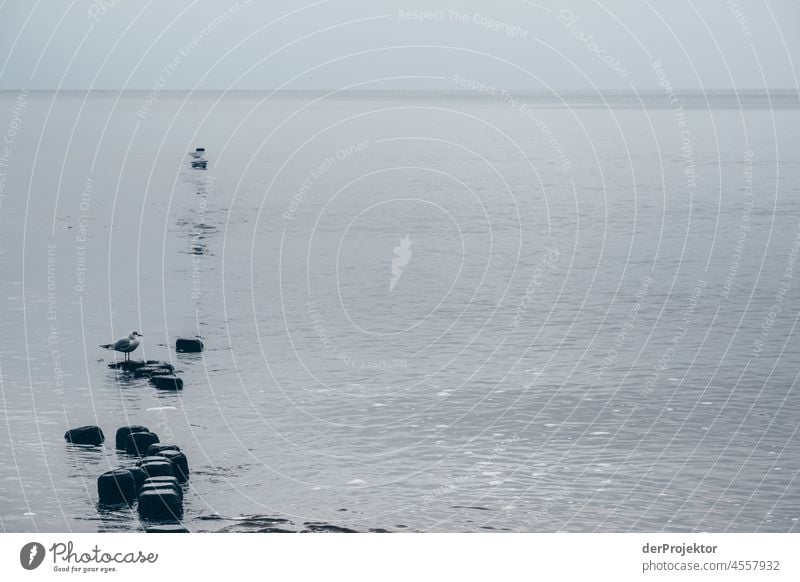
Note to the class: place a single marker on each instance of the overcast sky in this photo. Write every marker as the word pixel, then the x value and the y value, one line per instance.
pixel 519 44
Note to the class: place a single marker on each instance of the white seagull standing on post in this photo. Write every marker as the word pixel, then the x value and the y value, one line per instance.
pixel 125 344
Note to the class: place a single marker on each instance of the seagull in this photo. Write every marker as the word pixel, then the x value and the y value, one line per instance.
pixel 125 344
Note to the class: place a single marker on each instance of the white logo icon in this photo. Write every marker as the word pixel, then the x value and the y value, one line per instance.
pixel 402 257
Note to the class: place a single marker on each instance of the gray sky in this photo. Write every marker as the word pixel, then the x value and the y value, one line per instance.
pixel 519 44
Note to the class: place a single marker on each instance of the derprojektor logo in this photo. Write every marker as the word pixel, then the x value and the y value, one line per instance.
pixel 31 555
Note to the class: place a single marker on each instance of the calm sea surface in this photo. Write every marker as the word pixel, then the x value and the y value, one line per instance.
pixel 589 323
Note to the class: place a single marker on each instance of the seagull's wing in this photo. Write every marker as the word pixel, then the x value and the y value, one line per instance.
pixel 122 344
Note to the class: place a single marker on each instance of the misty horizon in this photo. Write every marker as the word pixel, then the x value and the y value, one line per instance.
pixel 392 45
